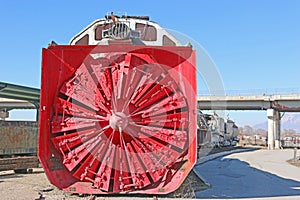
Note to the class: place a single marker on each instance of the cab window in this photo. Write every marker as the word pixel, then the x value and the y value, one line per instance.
pixel 148 32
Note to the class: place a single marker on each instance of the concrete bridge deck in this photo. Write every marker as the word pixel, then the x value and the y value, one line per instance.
pixel 281 103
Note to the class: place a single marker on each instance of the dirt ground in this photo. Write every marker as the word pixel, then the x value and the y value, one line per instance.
pixel 35 186
pixel 28 186
pixel 295 162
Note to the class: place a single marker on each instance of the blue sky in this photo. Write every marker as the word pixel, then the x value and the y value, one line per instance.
pixel 255 44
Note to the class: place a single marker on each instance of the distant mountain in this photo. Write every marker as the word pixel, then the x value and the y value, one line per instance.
pixel 263 125
pixel 289 121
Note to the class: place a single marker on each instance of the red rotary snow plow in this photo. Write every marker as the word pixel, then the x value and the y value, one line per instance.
pixel 118 118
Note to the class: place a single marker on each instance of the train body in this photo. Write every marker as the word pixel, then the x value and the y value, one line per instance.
pixel 18 138
pixel 290 142
pixel 118 109
pixel 215 131
pixel 18 145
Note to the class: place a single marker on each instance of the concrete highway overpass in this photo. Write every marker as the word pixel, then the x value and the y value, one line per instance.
pixel 273 104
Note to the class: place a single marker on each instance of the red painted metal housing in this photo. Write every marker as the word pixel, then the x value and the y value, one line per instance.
pixel 118 118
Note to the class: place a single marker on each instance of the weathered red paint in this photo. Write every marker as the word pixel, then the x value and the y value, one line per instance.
pixel 118 118
pixel 18 137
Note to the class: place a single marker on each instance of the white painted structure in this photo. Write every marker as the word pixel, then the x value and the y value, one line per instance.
pixel 124 29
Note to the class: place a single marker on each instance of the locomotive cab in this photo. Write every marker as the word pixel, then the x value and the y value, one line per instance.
pixel 137 30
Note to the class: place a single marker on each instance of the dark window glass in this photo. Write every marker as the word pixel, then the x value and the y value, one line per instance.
pixel 99 29
pixel 83 41
pixel 148 32
pixel 167 41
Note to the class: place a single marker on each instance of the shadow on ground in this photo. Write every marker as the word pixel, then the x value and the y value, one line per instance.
pixel 232 178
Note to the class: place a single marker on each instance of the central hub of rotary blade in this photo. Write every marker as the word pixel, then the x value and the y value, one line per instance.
pixel 118 121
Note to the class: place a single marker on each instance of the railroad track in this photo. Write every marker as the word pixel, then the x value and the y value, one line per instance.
pixel 19 163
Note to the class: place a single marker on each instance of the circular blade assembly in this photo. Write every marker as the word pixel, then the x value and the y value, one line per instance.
pixel 120 124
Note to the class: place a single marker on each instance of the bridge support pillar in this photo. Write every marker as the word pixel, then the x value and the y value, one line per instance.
pixel 3 114
pixel 273 129
pixel 270 114
pixel 277 130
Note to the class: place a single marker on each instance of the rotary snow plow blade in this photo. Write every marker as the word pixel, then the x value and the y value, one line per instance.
pixel 118 119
